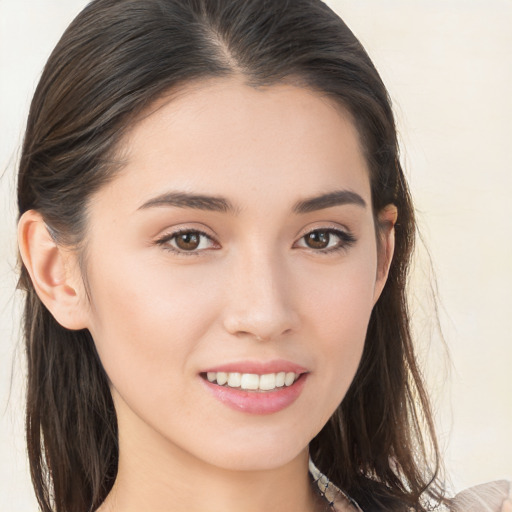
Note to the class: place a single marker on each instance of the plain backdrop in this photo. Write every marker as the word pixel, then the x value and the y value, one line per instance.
pixel 448 68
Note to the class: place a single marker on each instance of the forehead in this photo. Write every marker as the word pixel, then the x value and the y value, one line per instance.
pixel 224 137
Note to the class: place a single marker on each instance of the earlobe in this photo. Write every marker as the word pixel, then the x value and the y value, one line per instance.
pixel 49 267
pixel 386 219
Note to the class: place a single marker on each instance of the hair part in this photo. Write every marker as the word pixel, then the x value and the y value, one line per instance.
pixel 110 66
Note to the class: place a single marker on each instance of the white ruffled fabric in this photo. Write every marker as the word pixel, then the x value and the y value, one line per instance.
pixel 489 497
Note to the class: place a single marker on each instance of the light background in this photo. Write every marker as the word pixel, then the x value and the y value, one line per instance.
pixel 448 68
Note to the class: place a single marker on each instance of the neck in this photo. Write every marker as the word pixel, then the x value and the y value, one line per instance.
pixel 156 475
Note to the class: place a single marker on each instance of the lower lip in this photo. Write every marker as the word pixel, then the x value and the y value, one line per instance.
pixel 257 402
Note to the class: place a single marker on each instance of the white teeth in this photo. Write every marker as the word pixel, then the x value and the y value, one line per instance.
pixel 280 378
pixel 234 380
pixel 289 379
pixel 253 381
pixel 222 378
pixel 250 381
pixel 268 381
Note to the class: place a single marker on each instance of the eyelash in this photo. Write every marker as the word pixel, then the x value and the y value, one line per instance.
pixel 346 240
pixel 166 240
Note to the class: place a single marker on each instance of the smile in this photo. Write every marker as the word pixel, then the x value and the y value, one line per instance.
pixel 256 387
pixel 252 381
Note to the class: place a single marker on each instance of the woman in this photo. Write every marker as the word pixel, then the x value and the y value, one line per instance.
pixel 215 233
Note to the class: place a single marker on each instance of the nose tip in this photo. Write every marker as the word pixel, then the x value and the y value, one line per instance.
pixel 260 305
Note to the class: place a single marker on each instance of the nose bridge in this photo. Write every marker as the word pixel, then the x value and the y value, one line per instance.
pixel 259 296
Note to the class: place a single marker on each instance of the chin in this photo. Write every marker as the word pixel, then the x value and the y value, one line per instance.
pixel 259 461
pixel 264 454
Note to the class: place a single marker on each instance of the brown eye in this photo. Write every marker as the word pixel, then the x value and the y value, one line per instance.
pixel 188 241
pixel 317 239
pixel 326 240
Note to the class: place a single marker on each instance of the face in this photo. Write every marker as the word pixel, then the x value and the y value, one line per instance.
pixel 238 241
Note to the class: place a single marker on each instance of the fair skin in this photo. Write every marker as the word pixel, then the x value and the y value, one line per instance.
pixel 260 277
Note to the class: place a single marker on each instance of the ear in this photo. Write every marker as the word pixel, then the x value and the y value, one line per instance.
pixel 386 219
pixel 53 271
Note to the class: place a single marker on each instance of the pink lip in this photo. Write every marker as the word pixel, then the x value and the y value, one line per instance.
pixel 257 402
pixel 258 367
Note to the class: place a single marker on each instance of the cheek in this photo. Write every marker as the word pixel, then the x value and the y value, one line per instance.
pixel 337 305
pixel 147 320
pixel 340 296
pixel 341 325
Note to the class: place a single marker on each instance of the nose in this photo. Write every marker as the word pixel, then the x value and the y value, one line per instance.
pixel 260 301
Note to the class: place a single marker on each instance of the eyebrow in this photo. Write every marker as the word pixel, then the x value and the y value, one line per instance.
pixel 194 201
pixel 337 198
pixel 223 205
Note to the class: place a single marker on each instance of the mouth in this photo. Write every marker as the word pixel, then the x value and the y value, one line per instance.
pixel 256 387
pixel 253 381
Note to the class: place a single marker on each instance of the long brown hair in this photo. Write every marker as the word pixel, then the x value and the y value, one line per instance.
pixel 113 61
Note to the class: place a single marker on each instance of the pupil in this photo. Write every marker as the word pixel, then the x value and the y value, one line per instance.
pixel 188 241
pixel 318 239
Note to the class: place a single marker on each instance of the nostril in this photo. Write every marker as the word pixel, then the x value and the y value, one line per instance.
pixel 268 323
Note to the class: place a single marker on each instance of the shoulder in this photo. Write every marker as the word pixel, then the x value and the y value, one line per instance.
pixel 490 497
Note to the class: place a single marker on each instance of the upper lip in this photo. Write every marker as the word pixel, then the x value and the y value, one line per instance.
pixel 258 367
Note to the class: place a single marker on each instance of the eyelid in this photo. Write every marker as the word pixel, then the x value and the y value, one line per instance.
pixel 165 239
pixel 347 238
